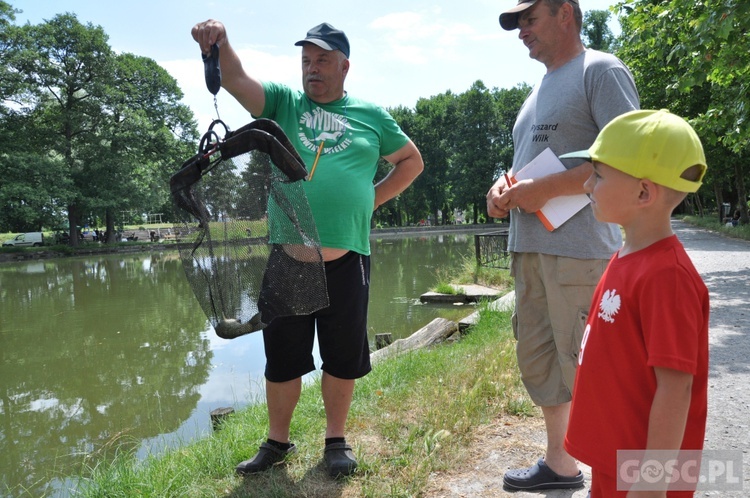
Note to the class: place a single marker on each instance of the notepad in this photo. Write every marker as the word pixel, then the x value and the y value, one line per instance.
pixel 560 209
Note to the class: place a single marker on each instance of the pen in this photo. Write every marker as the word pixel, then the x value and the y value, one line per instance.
pixel 317 157
pixel 510 182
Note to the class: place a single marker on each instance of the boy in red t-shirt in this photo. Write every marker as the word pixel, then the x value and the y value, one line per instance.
pixel 641 382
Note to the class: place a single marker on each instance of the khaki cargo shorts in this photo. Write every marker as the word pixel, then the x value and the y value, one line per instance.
pixel 553 297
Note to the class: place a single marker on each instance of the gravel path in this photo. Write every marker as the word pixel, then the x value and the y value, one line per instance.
pixel 724 264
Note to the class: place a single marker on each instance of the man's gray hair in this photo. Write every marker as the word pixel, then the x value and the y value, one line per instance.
pixel 554 6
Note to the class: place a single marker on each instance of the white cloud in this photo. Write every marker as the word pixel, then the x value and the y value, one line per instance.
pixel 422 38
pixel 258 63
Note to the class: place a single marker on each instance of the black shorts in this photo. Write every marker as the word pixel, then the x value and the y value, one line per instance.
pixel 341 326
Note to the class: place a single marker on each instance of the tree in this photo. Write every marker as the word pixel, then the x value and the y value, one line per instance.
pixel 699 53
pixel 113 121
pixel 406 204
pixel 508 102
pixel 466 141
pixel 9 79
pixel 67 67
pixel 595 31
pixel 434 120
pixel 30 192
pixel 476 147
pixel 144 136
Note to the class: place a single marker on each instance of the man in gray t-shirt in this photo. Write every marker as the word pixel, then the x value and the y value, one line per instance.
pixel 556 271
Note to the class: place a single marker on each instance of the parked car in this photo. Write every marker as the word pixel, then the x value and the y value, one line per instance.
pixel 29 239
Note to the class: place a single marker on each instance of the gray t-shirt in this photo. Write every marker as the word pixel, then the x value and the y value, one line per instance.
pixel 565 113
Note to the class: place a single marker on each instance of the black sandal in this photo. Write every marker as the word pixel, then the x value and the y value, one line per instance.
pixel 268 455
pixel 340 460
pixel 540 476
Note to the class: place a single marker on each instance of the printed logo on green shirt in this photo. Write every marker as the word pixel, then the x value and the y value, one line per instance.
pixel 319 126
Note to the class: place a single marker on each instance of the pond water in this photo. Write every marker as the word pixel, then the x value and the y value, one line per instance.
pixel 115 349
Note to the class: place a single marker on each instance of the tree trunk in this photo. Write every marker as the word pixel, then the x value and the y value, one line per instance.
pixel 687 205
pixel 698 204
pixel 110 221
pixel 73 225
pixel 719 202
pixel 741 192
pixel 433 333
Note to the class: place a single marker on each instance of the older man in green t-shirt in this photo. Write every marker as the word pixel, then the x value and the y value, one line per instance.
pixel 341 139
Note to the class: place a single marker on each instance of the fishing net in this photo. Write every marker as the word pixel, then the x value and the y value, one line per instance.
pixel 246 236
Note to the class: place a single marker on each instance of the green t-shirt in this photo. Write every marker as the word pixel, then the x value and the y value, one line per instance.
pixel 355 134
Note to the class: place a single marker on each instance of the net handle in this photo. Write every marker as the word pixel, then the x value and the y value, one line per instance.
pixel 262 134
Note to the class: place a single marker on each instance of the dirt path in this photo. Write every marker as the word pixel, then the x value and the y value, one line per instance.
pixel 724 264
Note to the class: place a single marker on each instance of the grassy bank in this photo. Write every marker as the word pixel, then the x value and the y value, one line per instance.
pixel 711 223
pixel 413 415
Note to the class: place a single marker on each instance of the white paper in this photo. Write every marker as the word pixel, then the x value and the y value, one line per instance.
pixel 560 209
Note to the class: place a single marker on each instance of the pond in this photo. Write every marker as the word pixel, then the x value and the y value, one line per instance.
pixel 114 349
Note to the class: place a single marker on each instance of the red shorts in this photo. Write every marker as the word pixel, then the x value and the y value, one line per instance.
pixel 605 486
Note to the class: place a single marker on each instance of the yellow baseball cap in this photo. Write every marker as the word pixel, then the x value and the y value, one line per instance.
pixel 656 145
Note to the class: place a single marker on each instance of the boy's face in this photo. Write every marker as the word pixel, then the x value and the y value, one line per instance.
pixel 613 194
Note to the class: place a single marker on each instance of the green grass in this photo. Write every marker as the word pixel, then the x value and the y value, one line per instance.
pixel 446 288
pixel 411 416
pixel 712 223
pixel 469 272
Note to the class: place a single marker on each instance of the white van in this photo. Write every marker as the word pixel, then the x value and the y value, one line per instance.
pixel 30 239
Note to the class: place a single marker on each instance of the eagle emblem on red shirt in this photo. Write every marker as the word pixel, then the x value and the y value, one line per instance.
pixel 609 306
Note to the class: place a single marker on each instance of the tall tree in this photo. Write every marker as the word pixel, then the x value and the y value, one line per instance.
pixel 9 79
pixel 68 66
pixel 433 134
pixel 114 121
pixel 33 186
pixel 696 57
pixel 508 102
pixel 596 32
pixel 145 134
pixel 475 146
pixel 408 204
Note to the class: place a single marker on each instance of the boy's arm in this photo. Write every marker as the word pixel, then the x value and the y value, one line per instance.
pixel 668 417
pixel 669 410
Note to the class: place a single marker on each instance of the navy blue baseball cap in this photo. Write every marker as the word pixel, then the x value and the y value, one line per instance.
pixel 327 37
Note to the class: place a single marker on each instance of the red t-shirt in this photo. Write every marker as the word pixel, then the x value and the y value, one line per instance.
pixel 650 309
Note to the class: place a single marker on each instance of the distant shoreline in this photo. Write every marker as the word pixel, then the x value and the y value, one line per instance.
pixel 124 248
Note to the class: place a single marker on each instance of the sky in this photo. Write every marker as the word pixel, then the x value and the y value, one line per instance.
pixel 401 50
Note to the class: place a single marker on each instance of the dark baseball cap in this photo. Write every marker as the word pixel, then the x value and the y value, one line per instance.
pixel 509 18
pixel 327 37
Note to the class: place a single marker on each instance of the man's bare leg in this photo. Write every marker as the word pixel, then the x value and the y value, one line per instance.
pixel 337 398
pixel 281 399
pixel 556 422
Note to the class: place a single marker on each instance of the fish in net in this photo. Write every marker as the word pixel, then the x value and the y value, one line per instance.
pixel 247 239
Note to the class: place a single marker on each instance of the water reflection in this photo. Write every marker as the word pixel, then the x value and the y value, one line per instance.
pixel 402 270
pixel 114 351
pixel 93 350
